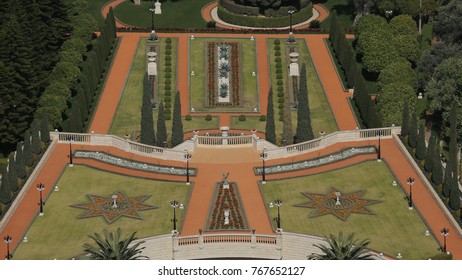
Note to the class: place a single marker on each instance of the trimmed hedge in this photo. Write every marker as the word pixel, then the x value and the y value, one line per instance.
pixel 255 21
pixel 239 9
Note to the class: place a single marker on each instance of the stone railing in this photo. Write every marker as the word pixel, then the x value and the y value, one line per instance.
pixel 283 245
pixel 225 141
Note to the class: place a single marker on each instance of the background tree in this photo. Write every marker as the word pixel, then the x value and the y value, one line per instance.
pixel 454 194
pixel 177 124
pixel 447 24
pixel 270 129
pixel 430 156
pixel 44 126
pixel 413 131
pixel 28 159
pixel 391 101
pixel 112 246
pixel 437 171
pixel 5 191
pixel 161 128
pixel 342 248
pixel 147 124
pixel 398 72
pixel 405 123
pixel 20 164
pixel 421 149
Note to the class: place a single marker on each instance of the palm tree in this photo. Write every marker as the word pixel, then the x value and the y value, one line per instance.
pixel 113 247
pixel 342 248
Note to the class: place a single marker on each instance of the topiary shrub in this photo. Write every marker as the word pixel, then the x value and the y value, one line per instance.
pixel 281 100
pixel 167 87
pixel 168 105
pixel 187 118
pixel 281 112
pixel 168 69
pixel 280 89
pixel 262 118
pixel 277 53
pixel 168 58
pixel 168 40
pixel 167 99
pixel 279 71
pixel 279 76
pixel 277 47
pixel 278 65
pixel 168 75
pixel 168 117
pixel 168 46
pixel 168 81
pixel 242 118
pixel 278 59
pixel 208 117
pixel 281 118
pixel 277 41
pixel 281 106
pixel 168 52
pixel 168 93
pixel 279 82
pixel 168 63
pixel 167 111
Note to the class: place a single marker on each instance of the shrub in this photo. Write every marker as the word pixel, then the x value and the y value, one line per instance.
pixel 280 88
pixel 277 47
pixel 277 59
pixel 281 106
pixel 168 52
pixel 168 117
pixel 208 117
pixel 168 46
pixel 167 87
pixel 167 105
pixel 281 100
pixel 279 76
pixel 168 58
pixel 315 24
pixel 167 111
pixel 262 118
pixel 281 112
pixel 187 117
pixel 280 93
pixel 211 24
pixel 168 69
pixel 168 81
pixel 277 41
pixel 167 99
pixel 279 71
pixel 279 83
pixel 235 8
pixel 277 53
pixel 168 40
pixel 168 63
pixel 242 118
pixel 281 118
pixel 168 93
pixel 278 65
pixel 168 75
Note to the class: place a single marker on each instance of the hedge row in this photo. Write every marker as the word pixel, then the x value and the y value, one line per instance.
pixel 254 21
pixel 239 9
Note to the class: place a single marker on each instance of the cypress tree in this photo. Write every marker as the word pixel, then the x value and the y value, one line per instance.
pixel 35 142
pixel 373 120
pixel 28 159
pixel 20 165
pixel 430 157
pixel 161 127
pixel 437 170
pixel 12 176
pixel 454 194
pixel 361 97
pixel 351 71
pixel 177 124
pixel 44 127
pixel 413 131
pixel 405 125
pixel 448 174
pixel 287 134
pixel 421 150
pixel 270 130
pixel 5 191
pixel 304 131
pixel 333 31
pixel 453 149
pixel 148 136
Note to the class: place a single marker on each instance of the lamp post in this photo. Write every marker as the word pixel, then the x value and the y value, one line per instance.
pixel 379 152
pixel 187 158
pixel 263 156
pixel 278 203
pixel 174 205
pixel 40 188
pixel 410 182
pixel 444 233
pixel 291 39
pixel 70 152
pixel 153 36
pixel 7 239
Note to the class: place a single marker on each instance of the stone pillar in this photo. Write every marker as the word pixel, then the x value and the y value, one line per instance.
pixel 201 239
pixel 175 246
pixel 224 131
pixel 253 239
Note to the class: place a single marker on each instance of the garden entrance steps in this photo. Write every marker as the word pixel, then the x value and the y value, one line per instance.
pixel 225 155
pixel 115 83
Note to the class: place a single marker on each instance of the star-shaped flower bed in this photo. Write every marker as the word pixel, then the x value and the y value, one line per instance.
pixel 104 206
pixel 342 208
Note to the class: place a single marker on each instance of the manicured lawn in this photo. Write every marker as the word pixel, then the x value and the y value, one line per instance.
pixel 322 118
pixel 393 229
pixel 140 16
pixel 59 234
pixel 197 62
pixel 249 123
pixel 345 12
pixel 94 8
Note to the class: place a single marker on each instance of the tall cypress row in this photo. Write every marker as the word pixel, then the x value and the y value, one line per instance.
pixel 405 125
pixel 177 124
pixel 333 31
pixel 304 130
pixel 287 134
pixel 453 149
pixel 44 127
pixel 421 149
pixel 12 176
pixel 147 124
pixel 454 194
pixel 270 129
pixel 161 127
pixel 35 142
pixel 413 131
pixel 448 174
pixel 430 156
pixel 437 170
pixel 28 159
pixel 5 191
pixel 20 164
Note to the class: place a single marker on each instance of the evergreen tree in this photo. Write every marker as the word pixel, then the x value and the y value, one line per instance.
pixel 20 165
pixel 405 125
pixel 454 194
pixel 28 159
pixel 360 96
pixel 35 141
pixel 373 120
pixel 287 134
pixel 333 30
pixel 448 174
pixel 421 150
pixel 177 124
pixel 270 130
pixel 430 156
pixel 12 175
pixel 304 130
pixel 437 170
pixel 5 191
pixel 148 136
pixel 453 147
pixel 44 127
pixel 413 131
pixel 161 127
pixel 351 71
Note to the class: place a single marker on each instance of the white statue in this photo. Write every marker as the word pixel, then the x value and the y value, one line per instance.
pixel 226 213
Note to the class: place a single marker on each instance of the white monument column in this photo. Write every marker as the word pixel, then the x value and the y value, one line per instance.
pixel 157 11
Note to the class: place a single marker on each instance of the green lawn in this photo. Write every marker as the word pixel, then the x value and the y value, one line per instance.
pixel 59 234
pixel 249 123
pixel 140 16
pixel 345 12
pixel 393 229
pixel 322 118
pixel 94 8
pixel 197 62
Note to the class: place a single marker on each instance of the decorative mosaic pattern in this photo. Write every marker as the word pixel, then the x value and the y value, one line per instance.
pixel 342 208
pixel 273 169
pixel 106 158
pixel 104 206
pixel 226 199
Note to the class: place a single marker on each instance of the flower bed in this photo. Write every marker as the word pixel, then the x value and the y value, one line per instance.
pixel 226 199
pixel 223 74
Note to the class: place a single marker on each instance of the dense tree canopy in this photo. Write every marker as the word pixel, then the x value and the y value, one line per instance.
pixel 391 101
pixel 447 24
